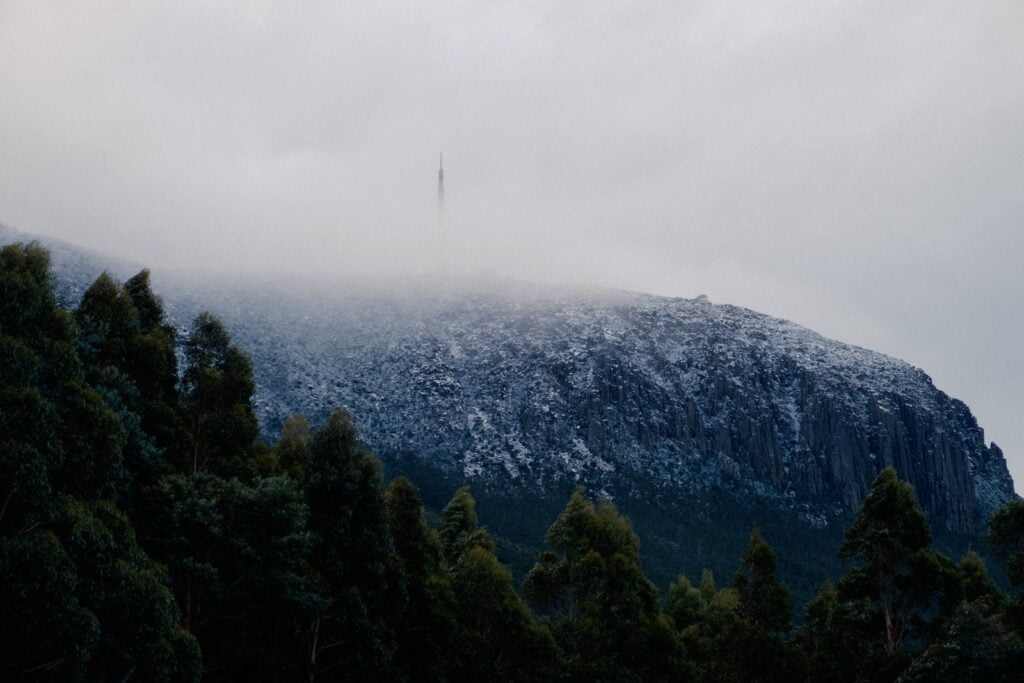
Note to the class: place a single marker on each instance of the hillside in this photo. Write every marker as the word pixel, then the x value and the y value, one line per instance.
pixel 697 418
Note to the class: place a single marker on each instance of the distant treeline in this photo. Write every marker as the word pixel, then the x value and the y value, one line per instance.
pixel 147 534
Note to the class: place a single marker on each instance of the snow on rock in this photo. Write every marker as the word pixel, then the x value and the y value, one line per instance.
pixel 528 385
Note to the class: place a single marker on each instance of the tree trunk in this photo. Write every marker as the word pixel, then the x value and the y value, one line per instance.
pixel 312 651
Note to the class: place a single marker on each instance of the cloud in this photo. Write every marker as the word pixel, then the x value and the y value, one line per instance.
pixel 855 167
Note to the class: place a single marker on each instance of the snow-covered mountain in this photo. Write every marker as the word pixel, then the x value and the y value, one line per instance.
pixel 522 387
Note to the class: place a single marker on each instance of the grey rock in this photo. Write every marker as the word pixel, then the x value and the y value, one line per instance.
pixel 518 385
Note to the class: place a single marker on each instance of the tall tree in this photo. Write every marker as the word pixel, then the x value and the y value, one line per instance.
pixel 133 365
pixel 497 635
pixel 217 388
pixel 685 603
pixel 1006 539
pixel 353 557
pixel 79 599
pixel 292 449
pixel 425 631
pixel 764 600
pixel 740 631
pixel 895 581
pixel 152 364
pixel 606 612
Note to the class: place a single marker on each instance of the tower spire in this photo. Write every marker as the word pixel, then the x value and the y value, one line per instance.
pixel 440 184
pixel 440 246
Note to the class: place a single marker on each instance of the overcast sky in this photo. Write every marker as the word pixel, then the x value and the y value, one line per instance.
pixel 857 167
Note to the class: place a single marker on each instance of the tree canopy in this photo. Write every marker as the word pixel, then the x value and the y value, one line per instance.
pixel 149 532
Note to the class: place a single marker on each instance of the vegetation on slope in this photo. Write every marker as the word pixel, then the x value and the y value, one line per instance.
pixel 147 534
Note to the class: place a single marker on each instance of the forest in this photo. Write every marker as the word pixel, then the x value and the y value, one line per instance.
pixel 148 533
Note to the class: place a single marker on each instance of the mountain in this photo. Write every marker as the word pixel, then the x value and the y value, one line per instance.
pixel 697 418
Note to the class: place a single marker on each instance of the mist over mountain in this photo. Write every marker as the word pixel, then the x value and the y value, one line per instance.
pixel 698 418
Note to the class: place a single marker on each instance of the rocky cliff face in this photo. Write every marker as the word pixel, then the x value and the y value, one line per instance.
pixel 526 387
pixel 530 386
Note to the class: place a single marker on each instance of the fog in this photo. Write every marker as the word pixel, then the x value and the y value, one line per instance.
pixel 855 167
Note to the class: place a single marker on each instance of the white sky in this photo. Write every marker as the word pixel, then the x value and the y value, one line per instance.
pixel 857 167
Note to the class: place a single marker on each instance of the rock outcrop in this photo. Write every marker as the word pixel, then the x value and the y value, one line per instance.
pixel 515 385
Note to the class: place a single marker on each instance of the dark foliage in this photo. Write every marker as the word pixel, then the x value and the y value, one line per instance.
pixel 146 534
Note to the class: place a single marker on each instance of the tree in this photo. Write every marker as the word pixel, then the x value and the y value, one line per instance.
pixel 607 618
pixel 460 528
pixel 425 633
pixel 292 449
pixel 764 600
pixel 978 645
pixel 895 582
pixel 217 388
pixel 78 596
pixel 685 603
pixel 497 636
pixel 134 367
pixel 739 632
pixel 829 638
pixel 1006 539
pixel 152 365
pixel 352 556
pixel 975 582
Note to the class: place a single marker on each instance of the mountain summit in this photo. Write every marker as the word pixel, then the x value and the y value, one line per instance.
pixel 524 389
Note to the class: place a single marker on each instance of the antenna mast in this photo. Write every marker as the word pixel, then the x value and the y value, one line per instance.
pixel 440 214
pixel 440 188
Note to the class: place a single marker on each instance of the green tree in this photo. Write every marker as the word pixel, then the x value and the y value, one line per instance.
pixel 79 599
pixel 425 632
pixel 353 557
pixel 607 618
pixel 764 600
pixel 978 645
pixel 1006 539
pixel 685 603
pixel 237 555
pixel 497 635
pixel 975 582
pixel 460 528
pixel 152 365
pixel 739 633
pixel 292 449
pixel 829 638
pixel 121 358
pixel 217 388
pixel 895 582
